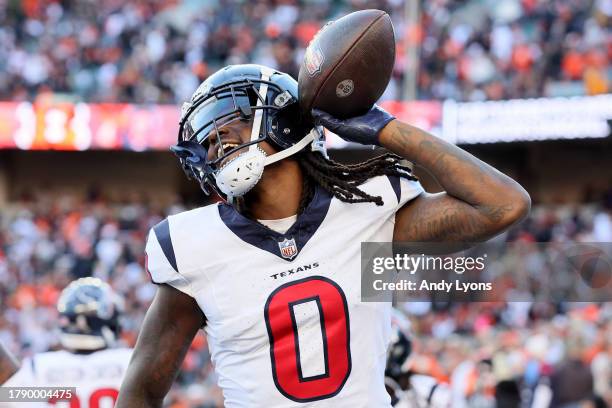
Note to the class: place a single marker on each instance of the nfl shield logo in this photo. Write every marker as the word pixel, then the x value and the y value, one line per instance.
pixel 313 59
pixel 288 248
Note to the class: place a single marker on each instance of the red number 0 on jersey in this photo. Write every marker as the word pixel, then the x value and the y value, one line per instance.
pixel 282 324
pixel 110 394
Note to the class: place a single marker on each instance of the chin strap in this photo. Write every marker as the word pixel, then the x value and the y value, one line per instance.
pixel 312 136
pixel 283 154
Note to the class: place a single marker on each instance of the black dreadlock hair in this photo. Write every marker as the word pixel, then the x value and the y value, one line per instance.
pixel 341 180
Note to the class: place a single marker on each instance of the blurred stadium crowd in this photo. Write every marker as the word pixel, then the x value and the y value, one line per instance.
pixel 477 347
pixel 159 51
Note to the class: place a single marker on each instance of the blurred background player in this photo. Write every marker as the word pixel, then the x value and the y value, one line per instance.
pixel 409 389
pixel 89 311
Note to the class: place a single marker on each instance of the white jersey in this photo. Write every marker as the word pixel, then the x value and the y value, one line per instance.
pixel 425 392
pixel 96 376
pixel 285 322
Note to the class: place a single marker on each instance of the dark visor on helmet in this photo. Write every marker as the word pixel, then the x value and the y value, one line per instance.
pixel 224 106
pixel 217 111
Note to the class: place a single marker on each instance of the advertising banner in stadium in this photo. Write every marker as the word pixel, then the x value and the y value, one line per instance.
pixel 527 120
pixel 67 126
pixel 50 124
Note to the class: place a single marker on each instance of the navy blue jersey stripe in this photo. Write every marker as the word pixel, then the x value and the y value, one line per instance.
pixel 162 232
pixel 395 183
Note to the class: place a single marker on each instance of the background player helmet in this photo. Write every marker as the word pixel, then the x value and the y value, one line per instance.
pixel 242 93
pixel 89 311
pixel 398 354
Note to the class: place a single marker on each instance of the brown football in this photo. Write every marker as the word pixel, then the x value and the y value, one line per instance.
pixel 348 64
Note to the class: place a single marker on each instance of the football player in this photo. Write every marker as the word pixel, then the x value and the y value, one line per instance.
pixel 407 388
pixel 89 322
pixel 272 274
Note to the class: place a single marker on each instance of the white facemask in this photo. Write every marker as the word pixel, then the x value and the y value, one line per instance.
pixel 240 174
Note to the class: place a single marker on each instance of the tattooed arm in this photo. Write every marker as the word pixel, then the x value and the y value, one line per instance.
pixel 479 202
pixel 8 365
pixel 168 329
